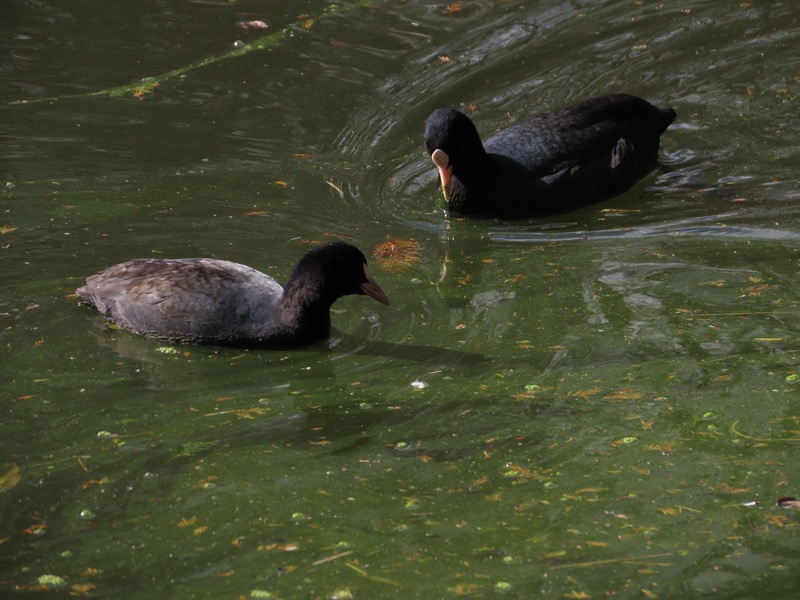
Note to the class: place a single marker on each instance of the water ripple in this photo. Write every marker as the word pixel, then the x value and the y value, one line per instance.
pixel 705 227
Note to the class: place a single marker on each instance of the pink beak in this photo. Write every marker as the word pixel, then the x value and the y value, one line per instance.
pixel 442 162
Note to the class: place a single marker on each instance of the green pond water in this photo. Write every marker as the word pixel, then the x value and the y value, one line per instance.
pixel 603 403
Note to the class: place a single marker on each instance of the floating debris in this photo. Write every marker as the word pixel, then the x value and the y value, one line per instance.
pixel 397 255
pixel 252 25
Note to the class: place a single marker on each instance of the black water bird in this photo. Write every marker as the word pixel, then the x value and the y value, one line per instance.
pixel 209 301
pixel 550 163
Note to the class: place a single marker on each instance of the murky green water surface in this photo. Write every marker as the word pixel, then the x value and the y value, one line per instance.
pixel 587 405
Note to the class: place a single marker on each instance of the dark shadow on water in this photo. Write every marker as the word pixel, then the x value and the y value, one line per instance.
pixel 131 346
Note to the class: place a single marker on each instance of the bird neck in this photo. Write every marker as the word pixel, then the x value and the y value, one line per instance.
pixel 305 291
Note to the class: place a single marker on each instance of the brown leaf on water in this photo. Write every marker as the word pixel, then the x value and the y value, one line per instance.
pixel 242 413
pixel 662 447
pixel 577 595
pixel 249 413
pixel 625 394
pixel 513 471
pixel 183 523
pixel 453 9
pixel 93 482
pixel 647 424
pixel 141 92
pixel 585 393
pixel 465 589
pixel 716 283
pixel 36 529
pixel 82 589
pixel 755 290
pixel 276 547
pixel 729 489
pixel 336 187
pixel 320 442
pixel 206 482
pixel 514 278
pixel 77 589
pixel 777 520
pixel 7 228
pixel 397 255
pixel 10 479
